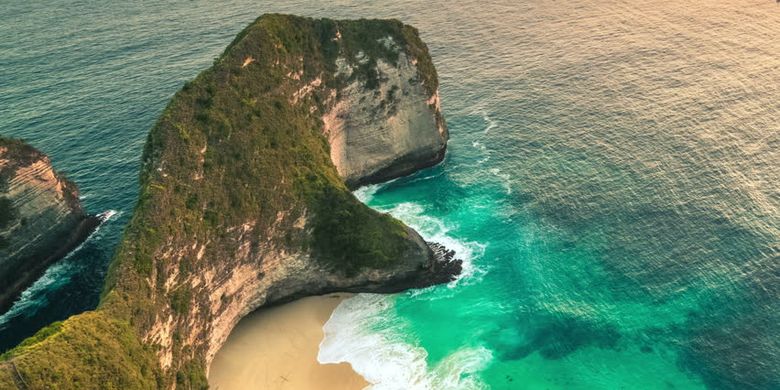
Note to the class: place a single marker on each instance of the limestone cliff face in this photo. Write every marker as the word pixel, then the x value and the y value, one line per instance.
pixel 40 217
pixel 260 273
pixel 244 201
pixel 387 128
pixel 381 116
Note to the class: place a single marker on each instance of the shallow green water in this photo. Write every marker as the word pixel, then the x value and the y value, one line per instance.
pixel 611 182
pixel 613 178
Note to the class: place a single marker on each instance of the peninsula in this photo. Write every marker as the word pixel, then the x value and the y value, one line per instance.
pixel 245 201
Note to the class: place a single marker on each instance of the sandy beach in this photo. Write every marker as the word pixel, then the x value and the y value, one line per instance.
pixel 277 348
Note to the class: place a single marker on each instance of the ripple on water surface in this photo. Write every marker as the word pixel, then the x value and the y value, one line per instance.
pixel 611 178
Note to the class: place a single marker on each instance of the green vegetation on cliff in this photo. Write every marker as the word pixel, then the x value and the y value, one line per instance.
pixel 231 144
pixel 41 218
pixel 18 153
pixel 239 143
pixel 90 350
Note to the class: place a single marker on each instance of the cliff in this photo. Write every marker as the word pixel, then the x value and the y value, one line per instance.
pixel 244 202
pixel 41 219
pixel 383 118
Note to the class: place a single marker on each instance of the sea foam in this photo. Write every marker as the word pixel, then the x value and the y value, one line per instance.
pixel 366 193
pixel 35 297
pixel 433 229
pixel 365 332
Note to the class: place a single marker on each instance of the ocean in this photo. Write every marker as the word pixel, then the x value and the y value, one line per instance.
pixel 612 181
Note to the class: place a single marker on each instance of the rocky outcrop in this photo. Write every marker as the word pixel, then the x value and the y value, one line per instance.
pixel 244 201
pixel 41 219
pixel 273 275
pixel 387 127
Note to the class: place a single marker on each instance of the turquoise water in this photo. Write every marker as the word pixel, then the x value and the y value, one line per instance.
pixel 611 182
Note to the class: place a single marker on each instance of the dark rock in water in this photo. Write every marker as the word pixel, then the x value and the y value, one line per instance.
pixel 446 267
pixel 41 219
pixel 441 268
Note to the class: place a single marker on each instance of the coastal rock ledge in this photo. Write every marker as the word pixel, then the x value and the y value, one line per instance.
pixel 41 219
pixel 245 201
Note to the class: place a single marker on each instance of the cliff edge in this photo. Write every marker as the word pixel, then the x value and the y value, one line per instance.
pixel 41 219
pixel 245 201
pixel 382 114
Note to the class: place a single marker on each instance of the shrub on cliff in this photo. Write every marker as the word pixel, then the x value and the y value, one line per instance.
pixel 231 149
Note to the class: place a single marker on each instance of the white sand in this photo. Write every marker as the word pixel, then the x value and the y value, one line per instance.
pixel 277 348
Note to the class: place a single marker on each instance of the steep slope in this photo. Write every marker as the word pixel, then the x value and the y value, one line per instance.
pixel 241 205
pixel 41 218
pixel 383 117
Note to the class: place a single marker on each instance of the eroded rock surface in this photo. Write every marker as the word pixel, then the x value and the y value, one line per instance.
pixel 41 219
pixel 245 201
pixel 390 128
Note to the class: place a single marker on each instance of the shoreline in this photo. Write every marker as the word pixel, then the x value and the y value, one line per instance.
pixel 64 245
pixel 277 347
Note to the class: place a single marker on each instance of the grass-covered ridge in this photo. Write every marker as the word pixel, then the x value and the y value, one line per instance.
pixel 91 350
pixel 232 146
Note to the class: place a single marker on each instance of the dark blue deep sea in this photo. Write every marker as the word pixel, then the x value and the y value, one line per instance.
pixel 612 181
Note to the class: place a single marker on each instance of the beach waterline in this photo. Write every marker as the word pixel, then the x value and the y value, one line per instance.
pixel 276 348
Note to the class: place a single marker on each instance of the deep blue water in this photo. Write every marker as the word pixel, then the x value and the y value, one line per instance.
pixel 612 181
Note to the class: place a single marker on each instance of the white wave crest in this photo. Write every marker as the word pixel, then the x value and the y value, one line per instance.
pixel 364 332
pixel 366 193
pixel 436 230
pixel 58 274
pixel 491 124
pixel 107 215
pixel 506 179
pixel 34 297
